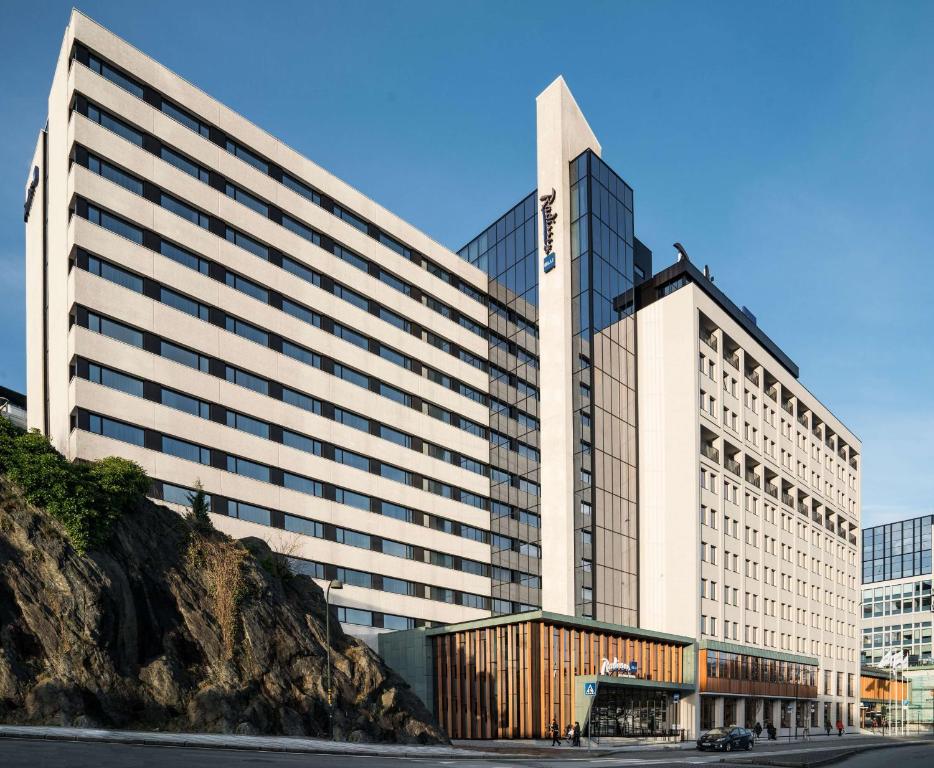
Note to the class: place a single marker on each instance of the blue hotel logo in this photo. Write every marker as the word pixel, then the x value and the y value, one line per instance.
pixel 548 228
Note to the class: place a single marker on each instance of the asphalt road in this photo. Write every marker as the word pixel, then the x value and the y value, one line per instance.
pixel 60 754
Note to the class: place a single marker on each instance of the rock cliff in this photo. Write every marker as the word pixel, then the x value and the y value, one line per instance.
pixel 137 634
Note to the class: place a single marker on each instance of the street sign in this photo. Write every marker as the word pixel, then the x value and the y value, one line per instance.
pixel 905 703
pixel 590 689
pixel 676 697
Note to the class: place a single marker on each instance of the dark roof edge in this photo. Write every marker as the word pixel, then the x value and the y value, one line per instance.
pixel 17 398
pixel 648 294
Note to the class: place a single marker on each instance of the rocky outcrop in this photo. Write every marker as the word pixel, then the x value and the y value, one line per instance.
pixel 128 636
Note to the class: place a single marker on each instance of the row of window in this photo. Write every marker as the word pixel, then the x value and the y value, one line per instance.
pixel 213 134
pixel 188 451
pixel 180 208
pixel 100 324
pixel 195 308
pixel 241 510
pixel 103 218
pixel 171 398
pixel 267 210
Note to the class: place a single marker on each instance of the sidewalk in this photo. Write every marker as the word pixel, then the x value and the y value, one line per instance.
pixel 230 741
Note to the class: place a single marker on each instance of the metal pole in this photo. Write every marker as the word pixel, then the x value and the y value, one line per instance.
pixel 327 640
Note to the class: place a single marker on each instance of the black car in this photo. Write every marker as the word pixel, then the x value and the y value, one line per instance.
pixel 726 739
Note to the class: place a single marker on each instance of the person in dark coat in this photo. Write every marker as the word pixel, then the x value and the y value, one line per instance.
pixel 555 733
pixel 827 726
pixel 577 734
pixel 757 729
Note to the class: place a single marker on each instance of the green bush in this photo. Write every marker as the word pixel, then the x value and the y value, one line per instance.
pixel 86 498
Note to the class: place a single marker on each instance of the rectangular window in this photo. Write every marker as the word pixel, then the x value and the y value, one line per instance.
pixel 301 188
pixel 183 356
pixel 114 330
pixel 396 511
pixel 183 304
pixel 397 549
pixel 352 499
pixel 302 484
pixel 249 512
pixel 183 209
pixel 301 354
pixel 115 274
pixel 114 174
pixel 183 164
pixel 246 330
pixel 248 468
pixel 302 230
pixel 304 526
pixel 247 243
pixel 245 198
pixel 355 578
pixel 247 156
pixel 398 586
pixel 352 538
pixel 115 224
pixel 302 313
pixel 182 402
pixel 185 450
pixel 247 286
pixel 117 430
pixel 115 380
pixel 183 257
pixel 248 424
pixel 111 123
pixel 185 118
pixel 116 77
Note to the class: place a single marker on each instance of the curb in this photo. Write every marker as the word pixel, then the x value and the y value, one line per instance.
pixel 835 758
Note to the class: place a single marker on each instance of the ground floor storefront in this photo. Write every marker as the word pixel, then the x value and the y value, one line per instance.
pixel 621 711
pixel 510 677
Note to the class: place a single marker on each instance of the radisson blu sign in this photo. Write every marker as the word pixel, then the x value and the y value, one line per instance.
pixel 549 217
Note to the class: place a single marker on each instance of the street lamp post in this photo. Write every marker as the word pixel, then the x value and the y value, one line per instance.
pixel 332 584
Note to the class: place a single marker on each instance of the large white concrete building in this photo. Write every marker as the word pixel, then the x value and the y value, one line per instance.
pixel 637 459
pixel 749 493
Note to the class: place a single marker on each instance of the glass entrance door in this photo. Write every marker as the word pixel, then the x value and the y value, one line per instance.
pixel 620 711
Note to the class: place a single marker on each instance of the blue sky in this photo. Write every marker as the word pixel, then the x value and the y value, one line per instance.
pixel 787 145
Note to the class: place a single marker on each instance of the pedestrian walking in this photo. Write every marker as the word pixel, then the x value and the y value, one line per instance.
pixel 757 729
pixel 555 733
pixel 839 728
pixel 577 734
pixel 827 725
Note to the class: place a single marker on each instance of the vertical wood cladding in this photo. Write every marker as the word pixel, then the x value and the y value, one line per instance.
pixel 508 681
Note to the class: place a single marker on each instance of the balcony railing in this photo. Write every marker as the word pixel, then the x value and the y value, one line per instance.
pixel 711 453
pixel 734 361
pixel 802 420
pixel 786 499
pixel 803 508
pixel 710 341
pixel 815 430
pixel 753 377
pixel 734 467
pixel 853 539
pixel 772 393
pixel 752 477
pixel 771 490
pixel 788 408
pixel 816 517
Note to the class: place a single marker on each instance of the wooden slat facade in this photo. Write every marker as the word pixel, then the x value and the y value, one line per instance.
pixel 508 681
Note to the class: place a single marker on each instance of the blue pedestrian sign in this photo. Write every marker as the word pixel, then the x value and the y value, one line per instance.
pixel 676 697
pixel 590 689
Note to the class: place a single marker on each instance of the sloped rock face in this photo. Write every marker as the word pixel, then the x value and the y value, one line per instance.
pixel 127 637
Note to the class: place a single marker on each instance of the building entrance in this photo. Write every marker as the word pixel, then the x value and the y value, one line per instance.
pixel 619 711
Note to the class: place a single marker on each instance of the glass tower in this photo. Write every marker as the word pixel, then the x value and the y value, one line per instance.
pixel 507 251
